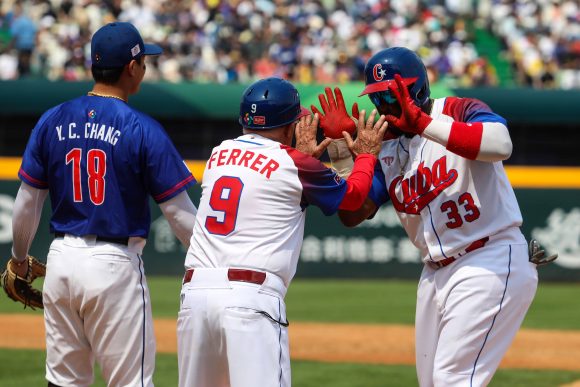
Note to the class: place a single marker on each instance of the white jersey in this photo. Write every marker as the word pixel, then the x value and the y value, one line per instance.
pixel 445 202
pixel 252 208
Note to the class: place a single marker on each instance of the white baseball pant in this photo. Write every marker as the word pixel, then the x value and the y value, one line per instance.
pixel 97 307
pixel 469 312
pixel 232 333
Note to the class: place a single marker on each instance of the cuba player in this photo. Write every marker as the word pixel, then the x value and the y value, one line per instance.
pixel 444 176
pixel 100 161
pixel 232 325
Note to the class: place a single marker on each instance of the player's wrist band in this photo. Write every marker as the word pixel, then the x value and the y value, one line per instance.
pixel 359 182
pixel 366 155
pixel 465 139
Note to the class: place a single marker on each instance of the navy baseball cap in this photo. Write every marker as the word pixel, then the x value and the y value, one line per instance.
pixel 116 44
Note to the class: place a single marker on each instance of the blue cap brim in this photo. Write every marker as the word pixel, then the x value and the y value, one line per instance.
pixel 152 49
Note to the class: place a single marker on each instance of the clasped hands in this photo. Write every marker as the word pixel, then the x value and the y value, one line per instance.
pixel 336 124
pixel 336 120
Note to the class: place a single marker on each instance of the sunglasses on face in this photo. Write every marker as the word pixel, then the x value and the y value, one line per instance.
pixel 381 97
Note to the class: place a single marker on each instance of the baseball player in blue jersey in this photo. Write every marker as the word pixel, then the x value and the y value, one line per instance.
pixel 100 160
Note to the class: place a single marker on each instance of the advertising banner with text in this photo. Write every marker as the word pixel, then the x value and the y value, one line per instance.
pixel 378 248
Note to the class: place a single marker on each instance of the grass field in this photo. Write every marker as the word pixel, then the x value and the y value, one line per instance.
pixel 26 368
pixel 556 306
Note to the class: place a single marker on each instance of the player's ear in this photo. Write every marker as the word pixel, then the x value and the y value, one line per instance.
pixel 132 67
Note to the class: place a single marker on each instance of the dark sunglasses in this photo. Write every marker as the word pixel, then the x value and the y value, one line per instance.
pixel 381 97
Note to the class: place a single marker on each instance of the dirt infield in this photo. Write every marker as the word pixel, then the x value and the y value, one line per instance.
pixel 352 343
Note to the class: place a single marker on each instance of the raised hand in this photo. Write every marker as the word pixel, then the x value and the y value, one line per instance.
pixel 305 134
pixel 369 136
pixel 412 119
pixel 335 119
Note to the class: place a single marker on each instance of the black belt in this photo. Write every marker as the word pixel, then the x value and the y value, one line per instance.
pixel 120 241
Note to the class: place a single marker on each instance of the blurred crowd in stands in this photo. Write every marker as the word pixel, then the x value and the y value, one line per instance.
pixel 308 41
pixel 542 39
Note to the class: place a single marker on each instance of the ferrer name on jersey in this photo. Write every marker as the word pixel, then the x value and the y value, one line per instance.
pixel 246 158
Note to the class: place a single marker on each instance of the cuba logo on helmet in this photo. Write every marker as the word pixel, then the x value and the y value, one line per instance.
pixel 378 72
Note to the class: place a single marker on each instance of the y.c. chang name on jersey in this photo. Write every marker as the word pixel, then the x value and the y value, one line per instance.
pixel 92 130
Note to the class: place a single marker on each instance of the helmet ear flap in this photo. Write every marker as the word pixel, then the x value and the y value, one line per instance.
pixel 423 94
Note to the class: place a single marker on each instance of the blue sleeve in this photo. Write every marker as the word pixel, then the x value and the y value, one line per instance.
pixel 33 168
pixel 378 193
pixel 321 186
pixel 166 173
pixel 471 110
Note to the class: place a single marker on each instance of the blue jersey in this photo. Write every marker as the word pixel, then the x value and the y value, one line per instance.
pixel 100 160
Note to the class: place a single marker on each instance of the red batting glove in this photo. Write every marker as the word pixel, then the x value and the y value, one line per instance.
pixel 412 119
pixel 335 119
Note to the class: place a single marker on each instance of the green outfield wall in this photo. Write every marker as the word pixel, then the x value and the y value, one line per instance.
pixel 221 102
pixel 376 249
pixel 543 124
pixel 162 99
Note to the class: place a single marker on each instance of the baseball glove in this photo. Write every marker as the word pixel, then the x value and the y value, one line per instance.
pixel 20 288
pixel 538 255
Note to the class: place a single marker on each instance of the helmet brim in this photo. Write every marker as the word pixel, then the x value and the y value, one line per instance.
pixel 152 49
pixel 384 85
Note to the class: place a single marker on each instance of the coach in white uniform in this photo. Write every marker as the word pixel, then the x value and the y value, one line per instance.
pixel 232 326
